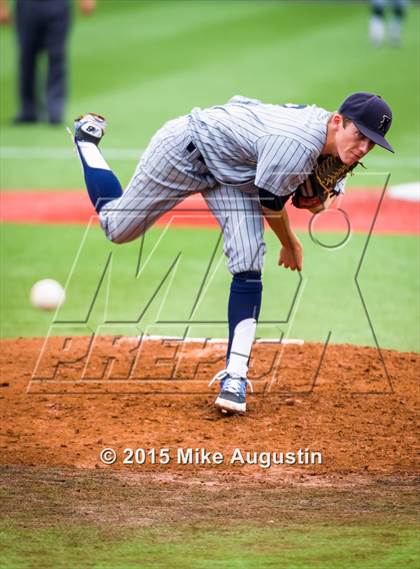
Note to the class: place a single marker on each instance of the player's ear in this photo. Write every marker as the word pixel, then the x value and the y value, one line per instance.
pixel 336 121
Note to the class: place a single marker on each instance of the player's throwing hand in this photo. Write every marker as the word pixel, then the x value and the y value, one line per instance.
pixel 291 257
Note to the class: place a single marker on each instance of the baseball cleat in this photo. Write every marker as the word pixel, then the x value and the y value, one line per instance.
pixel 232 395
pixel 90 128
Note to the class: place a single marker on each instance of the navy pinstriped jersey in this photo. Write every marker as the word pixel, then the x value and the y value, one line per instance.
pixel 248 143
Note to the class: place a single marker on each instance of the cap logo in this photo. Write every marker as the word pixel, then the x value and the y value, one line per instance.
pixel 384 124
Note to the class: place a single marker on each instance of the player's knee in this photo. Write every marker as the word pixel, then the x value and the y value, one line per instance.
pixel 117 238
pixel 253 260
pixel 247 265
pixel 112 232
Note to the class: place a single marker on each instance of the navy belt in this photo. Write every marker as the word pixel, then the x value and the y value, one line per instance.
pixel 191 147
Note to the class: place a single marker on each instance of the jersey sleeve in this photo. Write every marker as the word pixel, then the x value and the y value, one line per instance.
pixel 282 164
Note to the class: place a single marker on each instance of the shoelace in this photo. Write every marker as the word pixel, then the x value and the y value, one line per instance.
pixel 232 384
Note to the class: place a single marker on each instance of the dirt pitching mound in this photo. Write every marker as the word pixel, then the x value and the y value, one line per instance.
pixel 337 409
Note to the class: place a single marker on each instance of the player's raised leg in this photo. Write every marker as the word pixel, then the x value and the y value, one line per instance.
pixel 102 184
pixel 166 174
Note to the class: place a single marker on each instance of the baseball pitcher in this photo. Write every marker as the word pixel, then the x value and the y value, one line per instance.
pixel 246 158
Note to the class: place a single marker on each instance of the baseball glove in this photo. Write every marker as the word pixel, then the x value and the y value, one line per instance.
pixel 321 183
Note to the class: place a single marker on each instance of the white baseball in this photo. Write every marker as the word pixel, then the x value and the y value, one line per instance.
pixel 47 294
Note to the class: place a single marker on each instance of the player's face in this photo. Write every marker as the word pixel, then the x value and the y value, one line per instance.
pixel 351 144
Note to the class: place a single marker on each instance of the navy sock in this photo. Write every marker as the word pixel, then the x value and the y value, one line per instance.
pixel 244 301
pixel 102 184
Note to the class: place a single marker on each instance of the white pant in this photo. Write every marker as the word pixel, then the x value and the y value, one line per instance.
pixel 168 173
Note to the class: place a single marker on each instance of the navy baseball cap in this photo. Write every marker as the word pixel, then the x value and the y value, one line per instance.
pixel 371 115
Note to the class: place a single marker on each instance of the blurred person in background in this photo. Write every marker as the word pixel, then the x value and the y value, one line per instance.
pixel 42 26
pixel 378 29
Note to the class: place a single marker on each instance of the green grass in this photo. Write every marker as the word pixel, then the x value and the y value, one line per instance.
pixel 328 298
pixel 64 518
pixel 326 546
pixel 141 63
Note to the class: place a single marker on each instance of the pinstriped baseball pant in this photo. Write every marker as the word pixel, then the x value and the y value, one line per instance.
pixel 168 173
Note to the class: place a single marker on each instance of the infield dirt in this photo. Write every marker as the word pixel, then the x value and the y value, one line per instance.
pixel 343 401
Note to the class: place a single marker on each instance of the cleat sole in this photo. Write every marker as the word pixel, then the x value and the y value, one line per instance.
pixel 230 406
